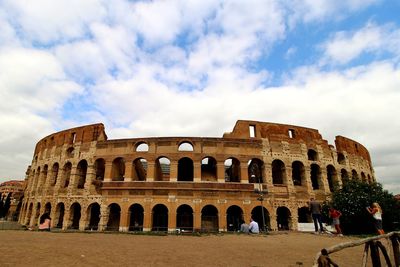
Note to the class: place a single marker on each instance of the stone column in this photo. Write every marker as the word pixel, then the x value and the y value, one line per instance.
pixel 147 217
pixel 67 218
pixel 294 219
pixel 172 220
pixel 197 172
pixel 108 172
pixel 273 217
pixel 308 183
pixel 197 217
pixel 83 220
pixel 128 170
pixel 90 176
pixel 150 171
pixel 173 172
pixel 104 213
pixel 73 179
pixel 289 180
pixel 221 172
pixel 124 220
pixel 222 219
pixel 244 173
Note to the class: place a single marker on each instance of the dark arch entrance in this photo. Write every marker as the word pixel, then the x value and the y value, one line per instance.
pixel 113 217
pixel 234 218
pixel 160 218
pixel 47 208
pixel 94 216
pixel 209 219
pixel 184 218
pixel 136 212
pixel 256 214
pixel 75 215
pixel 185 169
pixel 59 219
pixel 283 218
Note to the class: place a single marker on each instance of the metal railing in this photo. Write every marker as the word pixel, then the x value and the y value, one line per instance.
pixel 372 245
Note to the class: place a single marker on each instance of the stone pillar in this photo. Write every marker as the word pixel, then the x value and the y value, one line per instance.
pixel 272 218
pixel 308 183
pixel 244 173
pixel 128 171
pixel 108 172
pixel 73 179
pixel 172 220
pixel 67 218
pixel 53 216
pixel 324 185
pixel 289 180
pixel 147 214
pixel 83 220
pixel 104 214
pixel 173 172
pixel 197 172
pixel 124 220
pixel 150 171
pixel 221 172
pixel 90 176
pixel 294 219
pixel 222 219
pixel 197 218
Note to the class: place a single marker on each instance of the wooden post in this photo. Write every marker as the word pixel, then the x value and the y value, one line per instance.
pixel 395 244
pixel 376 260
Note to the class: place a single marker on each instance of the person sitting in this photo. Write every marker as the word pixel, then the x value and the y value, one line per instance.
pixel 45 222
pixel 253 227
pixel 244 228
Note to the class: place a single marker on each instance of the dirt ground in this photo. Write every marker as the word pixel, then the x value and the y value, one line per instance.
pixel 31 248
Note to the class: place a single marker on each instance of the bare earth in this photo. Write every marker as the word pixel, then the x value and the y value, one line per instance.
pixel 30 248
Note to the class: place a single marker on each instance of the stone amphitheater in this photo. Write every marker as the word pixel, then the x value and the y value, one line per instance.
pixel 267 171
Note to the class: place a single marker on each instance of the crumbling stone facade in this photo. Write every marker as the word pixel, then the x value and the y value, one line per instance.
pixel 86 181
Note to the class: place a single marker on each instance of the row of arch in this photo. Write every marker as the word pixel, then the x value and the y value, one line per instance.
pixel 90 218
pixel 138 169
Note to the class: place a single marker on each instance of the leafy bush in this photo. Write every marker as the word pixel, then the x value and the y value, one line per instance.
pixel 352 201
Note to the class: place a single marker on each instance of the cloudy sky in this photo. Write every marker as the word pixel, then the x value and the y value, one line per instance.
pixel 192 68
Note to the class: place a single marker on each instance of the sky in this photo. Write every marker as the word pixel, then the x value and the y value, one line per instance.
pixel 193 68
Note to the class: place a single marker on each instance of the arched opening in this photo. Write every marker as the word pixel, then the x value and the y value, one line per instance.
pixel 283 218
pixel 59 216
pixel 369 179
pixel 315 176
pixel 162 169
pixel 184 218
pixel 81 173
pixel 298 173
pixel 257 215
pixel 354 175
pixel 232 170
pixel 185 170
pixel 363 177
pixel 142 147
pixel 47 208
pixel 136 215
pixel 341 158
pixel 94 216
pixel 118 169
pixel 304 215
pixel 45 171
pixel 209 169
pixel 114 216
pixel 37 214
pixel 234 218
pixel 344 175
pixel 139 170
pixel 332 177
pixel 160 218
pixel 209 219
pixel 67 174
pixel 255 171
pixel 75 215
pixel 54 174
pixel 278 171
pixel 29 215
pixel 100 168
pixel 185 146
pixel 312 155
pixel 70 152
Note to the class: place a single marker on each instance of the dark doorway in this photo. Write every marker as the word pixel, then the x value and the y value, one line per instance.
pixel 234 218
pixel 160 218
pixel 209 219
pixel 94 213
pixel 113 217
pixel 136 217
pixel 184 218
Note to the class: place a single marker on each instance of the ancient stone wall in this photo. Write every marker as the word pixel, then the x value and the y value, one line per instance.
pixel 86 181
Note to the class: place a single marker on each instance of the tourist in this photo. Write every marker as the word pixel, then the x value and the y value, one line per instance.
pixel 45 222
pixel 335 214
pixel 244 227
pixel 253 227
pixel 376 212
pixel 315 209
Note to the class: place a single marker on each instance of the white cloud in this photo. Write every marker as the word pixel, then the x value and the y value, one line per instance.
pixel 347 46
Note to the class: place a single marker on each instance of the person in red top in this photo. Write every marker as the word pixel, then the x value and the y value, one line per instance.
pixel 335 214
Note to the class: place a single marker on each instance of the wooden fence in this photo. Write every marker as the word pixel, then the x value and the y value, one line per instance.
pixel 372 246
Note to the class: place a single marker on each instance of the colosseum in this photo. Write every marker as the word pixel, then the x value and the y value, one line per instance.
pixel 265 170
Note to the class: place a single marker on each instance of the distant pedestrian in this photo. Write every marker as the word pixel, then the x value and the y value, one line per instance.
pixel 376 212
pixel 315 209
pixel 45 222
pixel 335 214
pixel 253 227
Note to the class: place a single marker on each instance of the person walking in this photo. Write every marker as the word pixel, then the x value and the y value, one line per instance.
pixel 335 214
pixel 376 212
pixel 315 209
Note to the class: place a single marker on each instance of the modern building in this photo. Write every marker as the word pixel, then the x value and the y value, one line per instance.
pixel 265 170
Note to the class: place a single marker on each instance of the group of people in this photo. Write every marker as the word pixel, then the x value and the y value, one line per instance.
pixel 251 228
pixel 315 209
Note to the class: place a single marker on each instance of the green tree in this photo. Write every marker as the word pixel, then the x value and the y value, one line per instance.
pixel 352 200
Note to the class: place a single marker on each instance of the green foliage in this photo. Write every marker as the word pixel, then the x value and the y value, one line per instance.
pixel 352 201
